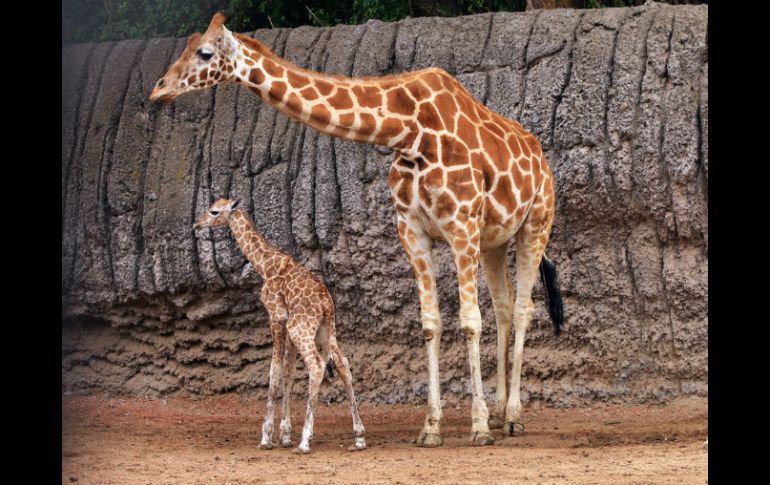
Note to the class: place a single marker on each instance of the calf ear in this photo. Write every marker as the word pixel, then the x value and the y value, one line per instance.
pixel 234 204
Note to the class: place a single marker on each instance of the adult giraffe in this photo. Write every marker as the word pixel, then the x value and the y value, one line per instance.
pixel 462 173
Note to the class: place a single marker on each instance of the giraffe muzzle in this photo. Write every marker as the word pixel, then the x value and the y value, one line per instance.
pixel 159 96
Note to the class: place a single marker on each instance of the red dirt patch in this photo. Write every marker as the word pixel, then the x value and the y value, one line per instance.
pixel 215 440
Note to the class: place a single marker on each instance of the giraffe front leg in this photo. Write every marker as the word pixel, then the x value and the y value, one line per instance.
pixel 275 377
pixel 418 248
pixel 289 366
pixel 530 246
pixel 466 253
pixel 495 264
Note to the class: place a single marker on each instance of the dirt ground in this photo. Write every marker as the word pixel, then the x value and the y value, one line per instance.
pixel 215 441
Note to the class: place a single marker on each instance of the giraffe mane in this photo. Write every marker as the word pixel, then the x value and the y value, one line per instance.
pixel 255 45
pixel 262 49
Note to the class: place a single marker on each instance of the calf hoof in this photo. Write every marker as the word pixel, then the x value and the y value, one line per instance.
pixel 513 428
pixel 266 446
pixel 480 438
pixel 357 446
pixel 429 440
pixel 299 450
pixel 496 422
pixel 287 443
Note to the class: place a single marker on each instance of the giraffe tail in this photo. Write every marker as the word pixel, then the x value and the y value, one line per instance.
pixel 330 342
pixel 329 373
pixel 552 293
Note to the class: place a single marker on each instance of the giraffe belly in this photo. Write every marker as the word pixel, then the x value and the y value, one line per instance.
pixel 495 235
pixel 498 232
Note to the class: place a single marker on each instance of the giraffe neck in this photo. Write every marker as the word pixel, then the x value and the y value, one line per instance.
pixel 349 108
pixel 260 253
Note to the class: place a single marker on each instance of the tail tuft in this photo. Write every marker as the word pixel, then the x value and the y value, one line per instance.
pixel 552 293
pixel 329 374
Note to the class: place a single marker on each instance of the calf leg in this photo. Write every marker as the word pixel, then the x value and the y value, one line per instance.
pixel 289 366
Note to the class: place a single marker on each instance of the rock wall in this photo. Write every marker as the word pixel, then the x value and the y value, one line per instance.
pixel 617 97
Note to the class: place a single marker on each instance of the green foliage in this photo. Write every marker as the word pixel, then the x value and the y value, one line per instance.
pixel 101 20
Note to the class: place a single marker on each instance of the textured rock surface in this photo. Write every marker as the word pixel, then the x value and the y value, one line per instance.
pixel 618 98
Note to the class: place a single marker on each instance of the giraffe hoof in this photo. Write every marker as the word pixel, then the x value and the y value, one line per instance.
pixel 266 446
pixel 496 422
pixel 287 443
pixel 513 428
pixel 357 447
pixel 480 438
pixel 301 451
pixel 429 440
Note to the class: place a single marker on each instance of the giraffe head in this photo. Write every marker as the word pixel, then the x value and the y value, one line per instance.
pixel 206 61
pixel 217 215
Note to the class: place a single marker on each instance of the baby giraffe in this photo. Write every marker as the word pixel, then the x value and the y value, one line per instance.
pixel 301 314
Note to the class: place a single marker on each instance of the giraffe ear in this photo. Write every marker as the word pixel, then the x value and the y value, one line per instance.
pixel 216 22
pixel 193 40
pixel 234 204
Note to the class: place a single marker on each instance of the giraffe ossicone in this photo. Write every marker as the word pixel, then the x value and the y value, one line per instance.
pixel 462 174
pixel 301 313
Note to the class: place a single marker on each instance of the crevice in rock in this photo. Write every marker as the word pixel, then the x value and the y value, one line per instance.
pixel 110 137
pixel 79 229
pixel 76 124
pixel 637 113
pixel 662 164
pixel 524 68
pixel 567 79
pixel 488 35
pixel 607 98
pixel 152 118
pixel 392 52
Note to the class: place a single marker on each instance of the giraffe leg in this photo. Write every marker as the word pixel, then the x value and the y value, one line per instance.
pixel 418 247
pixel 494 261
pixel 530 247
pixel 302 335
pixel 278 331
pixel 467 255
pixel 343 367
pixel 289 366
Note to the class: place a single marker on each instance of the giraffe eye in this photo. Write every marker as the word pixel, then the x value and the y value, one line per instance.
pixel 214 213
pixel 205 54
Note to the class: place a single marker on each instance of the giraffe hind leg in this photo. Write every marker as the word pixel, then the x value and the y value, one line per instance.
pixel 494 261
pixel 343 366
pixel 298 328
pixel 531 241
pixel 289 366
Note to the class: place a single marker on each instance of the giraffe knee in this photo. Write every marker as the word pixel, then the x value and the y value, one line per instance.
pixel 431 325
pixel 430 331
pixel 470 321
pixel 471 331
pixel 471 327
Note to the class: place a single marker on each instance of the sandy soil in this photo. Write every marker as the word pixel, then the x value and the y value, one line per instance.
pixel 215 440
